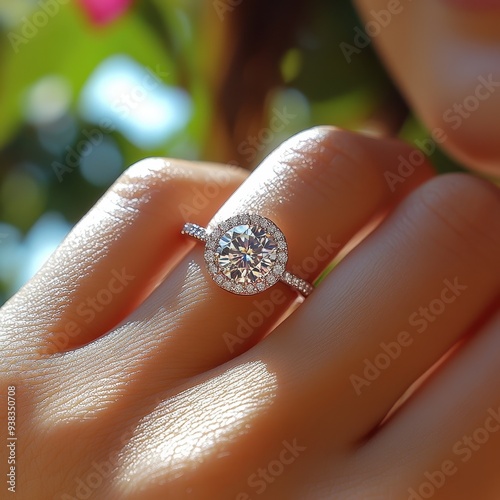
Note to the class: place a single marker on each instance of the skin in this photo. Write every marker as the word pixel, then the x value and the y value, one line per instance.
pixel 150 401
pixel 437 52
pixel 381 385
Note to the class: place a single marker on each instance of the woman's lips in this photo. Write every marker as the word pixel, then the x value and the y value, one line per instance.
pixel 475 4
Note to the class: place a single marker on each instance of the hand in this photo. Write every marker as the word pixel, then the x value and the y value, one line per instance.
pixel 448 72
pixel 137 377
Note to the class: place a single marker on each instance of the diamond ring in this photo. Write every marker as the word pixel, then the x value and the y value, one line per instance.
pixel 246 254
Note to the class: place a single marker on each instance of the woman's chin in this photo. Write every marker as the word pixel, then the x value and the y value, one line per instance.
pixel 472 139
pixel 476 153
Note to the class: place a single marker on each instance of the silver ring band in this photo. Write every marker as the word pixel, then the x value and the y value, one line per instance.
pixel 247 254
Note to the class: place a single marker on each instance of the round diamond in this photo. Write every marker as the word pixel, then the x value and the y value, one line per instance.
pixel 246 253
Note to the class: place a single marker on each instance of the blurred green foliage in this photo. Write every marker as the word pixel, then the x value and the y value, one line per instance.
pixel 318 85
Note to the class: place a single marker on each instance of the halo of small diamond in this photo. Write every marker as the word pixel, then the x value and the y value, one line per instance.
pixel 274 269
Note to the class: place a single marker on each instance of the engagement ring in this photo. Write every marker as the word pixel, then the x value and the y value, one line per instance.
pixel 246 254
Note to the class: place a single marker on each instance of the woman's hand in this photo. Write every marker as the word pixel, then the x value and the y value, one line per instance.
pixel 445 58
pixel 137 377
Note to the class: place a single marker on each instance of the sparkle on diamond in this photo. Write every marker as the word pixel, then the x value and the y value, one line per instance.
pixel 246 253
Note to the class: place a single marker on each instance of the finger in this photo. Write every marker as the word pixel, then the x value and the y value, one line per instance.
pixel 179 330
pixel 438 97
pixel 320 188
pixel 117 254
pixel 451 426
pixel 392 308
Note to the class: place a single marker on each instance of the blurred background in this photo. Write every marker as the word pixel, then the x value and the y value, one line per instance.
pixel 88 87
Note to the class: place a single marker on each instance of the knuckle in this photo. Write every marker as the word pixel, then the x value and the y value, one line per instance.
pixel 331 160
pixel 151 174
pixel 151 186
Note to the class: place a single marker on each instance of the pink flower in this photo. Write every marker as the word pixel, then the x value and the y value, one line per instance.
pixel 105 11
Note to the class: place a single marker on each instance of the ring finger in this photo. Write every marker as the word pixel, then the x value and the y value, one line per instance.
pixel 320 188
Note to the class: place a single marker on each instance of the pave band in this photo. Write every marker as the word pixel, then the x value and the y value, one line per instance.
pixel 246 254
pixel 195 231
